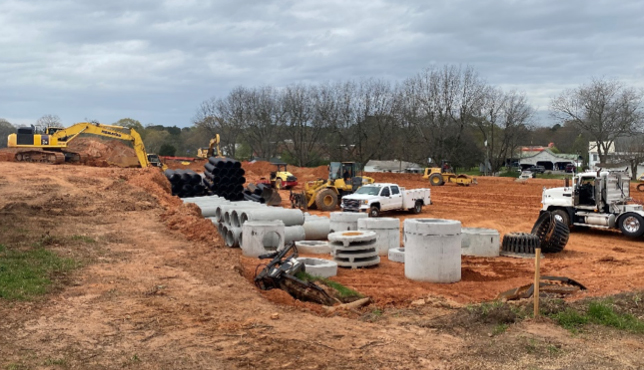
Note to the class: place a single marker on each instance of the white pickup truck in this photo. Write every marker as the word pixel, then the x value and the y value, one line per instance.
pixel 379 197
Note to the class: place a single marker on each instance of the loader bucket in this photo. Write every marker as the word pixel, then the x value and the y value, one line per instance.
pixel 272 197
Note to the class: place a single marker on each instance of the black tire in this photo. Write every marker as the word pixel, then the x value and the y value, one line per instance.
pixel 543 227
pixel 522 243
pixel 418 207
pixel 631 225
pixel 558 239
pixel 436 180
pixel 562 216
pixel 326 200
pixel 640 187
pixel 374 211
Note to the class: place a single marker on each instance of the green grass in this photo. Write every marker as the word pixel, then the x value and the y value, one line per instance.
pixel 342 290
pixel 25 274
pixel 514 174
pixel 599 313
pixel 500 329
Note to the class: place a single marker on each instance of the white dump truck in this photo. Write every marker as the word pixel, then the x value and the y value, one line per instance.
pixel 596 199
pixel 380 197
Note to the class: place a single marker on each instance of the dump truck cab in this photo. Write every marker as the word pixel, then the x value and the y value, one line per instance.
pixel 596 199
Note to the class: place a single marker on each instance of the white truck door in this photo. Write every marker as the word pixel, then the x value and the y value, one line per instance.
pixel 396 198
pixel 385 198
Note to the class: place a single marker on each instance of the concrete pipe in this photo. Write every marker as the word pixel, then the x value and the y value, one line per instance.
pixel 313 247
pixel 201 199
pixel 291 234
pixel 433 250
pixel 480 242
pixel 254 234
pixel 290 217
pixel 386 228
pixel 354 248
pixel 233 237
pixel 221 210
pixel 211 210
pixel 344 221
pixel 317 228
pixel 396 255
pixel 319 267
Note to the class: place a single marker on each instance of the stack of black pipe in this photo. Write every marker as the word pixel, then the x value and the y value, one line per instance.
pixel 225 177
pixel 185 183
pixel 260 193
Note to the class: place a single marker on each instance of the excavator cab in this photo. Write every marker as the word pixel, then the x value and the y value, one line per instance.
pixel 155 161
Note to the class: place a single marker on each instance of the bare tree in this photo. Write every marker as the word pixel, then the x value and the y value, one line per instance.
pixel 302 130
pixel 604 109
pixel 6 128
pixel 443 103
pixel 48 120
pixel 631 150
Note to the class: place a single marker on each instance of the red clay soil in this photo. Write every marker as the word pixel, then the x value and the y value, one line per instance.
pixel 605 261
pixel 197 165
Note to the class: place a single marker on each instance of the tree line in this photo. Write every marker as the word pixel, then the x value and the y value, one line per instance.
pixel 443 113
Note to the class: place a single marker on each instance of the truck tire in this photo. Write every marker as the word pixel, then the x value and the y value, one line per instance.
pixel 640 187
pixel 374 211
pixel 522 243
pixel 562 215
pixel 631 225
pixel 558 240
pixel 418 207
pixel 543 228
pixel 326 200
pixel 436 180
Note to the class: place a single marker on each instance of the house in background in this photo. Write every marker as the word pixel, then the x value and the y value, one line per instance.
pixel 616 159
pixel 548 159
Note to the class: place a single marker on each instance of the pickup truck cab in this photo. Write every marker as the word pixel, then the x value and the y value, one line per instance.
pixel 381 197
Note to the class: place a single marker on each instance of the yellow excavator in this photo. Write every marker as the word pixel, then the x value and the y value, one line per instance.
pixel 344 178
pixel 52 143
pixel 208 152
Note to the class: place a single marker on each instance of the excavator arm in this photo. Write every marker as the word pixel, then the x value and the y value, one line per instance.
pixel 115 132
pixel 55 140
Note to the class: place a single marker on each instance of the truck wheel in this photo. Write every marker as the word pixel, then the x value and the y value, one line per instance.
pixel 278 183
pixel 522 243
pixel 418 207
pixel 542 228
pixel 640 187
pixel 632 225
pixel 561 216
pixel 436 180
pixel 374 211
pixel 559 238
pixel 326 200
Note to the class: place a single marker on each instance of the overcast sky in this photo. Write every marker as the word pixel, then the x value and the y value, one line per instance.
pixel 156 60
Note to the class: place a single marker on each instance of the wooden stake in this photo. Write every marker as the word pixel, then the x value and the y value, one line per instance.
pixel 537 273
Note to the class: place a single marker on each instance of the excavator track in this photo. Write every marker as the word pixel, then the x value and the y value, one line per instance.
pixel 40 156
pixel 74 157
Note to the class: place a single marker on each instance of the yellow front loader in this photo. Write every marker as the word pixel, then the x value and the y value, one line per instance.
pixel 344 178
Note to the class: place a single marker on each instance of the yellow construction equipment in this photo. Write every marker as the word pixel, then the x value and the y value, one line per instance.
pixel 344 178
pixel 438 176
pixel 53 142
pixel 280 178
pixel 208 152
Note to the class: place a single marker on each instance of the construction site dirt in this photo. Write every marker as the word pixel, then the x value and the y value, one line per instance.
pixel 156 288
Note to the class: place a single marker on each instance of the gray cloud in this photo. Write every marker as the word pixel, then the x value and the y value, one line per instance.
pixel 157 60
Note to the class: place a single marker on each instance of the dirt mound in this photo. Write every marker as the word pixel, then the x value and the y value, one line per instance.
pixel 196 165
pixel 187 219
pixel 102 153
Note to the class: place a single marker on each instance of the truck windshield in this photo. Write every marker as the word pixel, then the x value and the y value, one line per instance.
pixel 369 190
